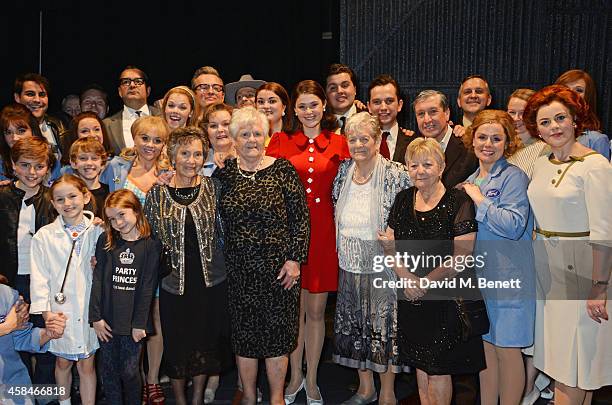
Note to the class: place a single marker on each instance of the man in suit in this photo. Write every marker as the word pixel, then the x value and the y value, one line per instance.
pixel 433 114
pixel 474 96
pixel 208 86
pixel 134 88
pixel 340 90
pixel 32 90
pixel 386 103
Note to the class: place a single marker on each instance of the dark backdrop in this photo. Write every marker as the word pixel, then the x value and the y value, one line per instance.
pixel 85 41
pixel 513 43
pixel 423 43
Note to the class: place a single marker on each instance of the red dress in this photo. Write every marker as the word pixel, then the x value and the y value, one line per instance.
pixel 316 161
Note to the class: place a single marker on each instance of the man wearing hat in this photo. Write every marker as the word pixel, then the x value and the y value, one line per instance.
pixel 242 93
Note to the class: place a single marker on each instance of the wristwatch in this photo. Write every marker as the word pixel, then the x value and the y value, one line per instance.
pixel 600 282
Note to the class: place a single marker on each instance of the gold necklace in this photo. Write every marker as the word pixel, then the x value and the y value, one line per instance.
pixel 365 180
pixel 250 176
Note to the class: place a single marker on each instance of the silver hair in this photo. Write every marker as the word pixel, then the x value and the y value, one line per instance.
pixel 425 94
pixel 361 121
pixel 247 117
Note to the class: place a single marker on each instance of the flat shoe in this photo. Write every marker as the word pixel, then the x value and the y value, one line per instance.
pixel 357 399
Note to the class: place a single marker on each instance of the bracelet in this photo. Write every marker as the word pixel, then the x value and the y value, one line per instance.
pixel 600 282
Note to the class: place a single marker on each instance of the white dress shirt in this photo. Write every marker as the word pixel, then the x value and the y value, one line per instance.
pixel 444 141
pixel 392 138
pixel 128 117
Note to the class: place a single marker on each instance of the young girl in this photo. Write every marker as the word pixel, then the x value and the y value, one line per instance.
pixel 61 279
pixel 124 280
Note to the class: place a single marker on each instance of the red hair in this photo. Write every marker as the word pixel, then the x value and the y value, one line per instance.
pixel 123 198
pixel 576 105
pixel 590 95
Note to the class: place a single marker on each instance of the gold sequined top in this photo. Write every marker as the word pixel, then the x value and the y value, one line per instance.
pixel 167 219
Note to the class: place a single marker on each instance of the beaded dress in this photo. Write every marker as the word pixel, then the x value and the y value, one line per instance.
pixel 429 330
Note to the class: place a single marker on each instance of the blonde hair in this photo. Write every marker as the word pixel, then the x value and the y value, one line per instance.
pixel 141 126
pixel 124 199
pixel 195 106
pixel 424 148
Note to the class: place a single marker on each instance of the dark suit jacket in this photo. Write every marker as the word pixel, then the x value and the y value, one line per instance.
pixel 401 144
pixel 114 129
pixel 460 163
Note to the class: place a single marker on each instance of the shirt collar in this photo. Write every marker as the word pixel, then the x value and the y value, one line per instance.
pixel 351 111
pixel 132 112
pixel 322 140
pixel 466 122
pixel 446 139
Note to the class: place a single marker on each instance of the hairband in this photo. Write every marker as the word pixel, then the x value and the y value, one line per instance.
pixel 188 90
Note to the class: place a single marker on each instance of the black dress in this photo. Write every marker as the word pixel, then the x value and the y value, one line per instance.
pixel 266 223
pixel 195 325
pixel 429 329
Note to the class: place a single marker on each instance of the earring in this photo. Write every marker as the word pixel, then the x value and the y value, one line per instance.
pixel 283 114
pixel 574 124
pixel 323 108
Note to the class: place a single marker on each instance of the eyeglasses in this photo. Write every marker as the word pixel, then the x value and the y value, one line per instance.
pixel 126 82
pixel 203 88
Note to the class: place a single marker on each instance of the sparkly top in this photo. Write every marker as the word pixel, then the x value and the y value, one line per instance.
pixel 141 195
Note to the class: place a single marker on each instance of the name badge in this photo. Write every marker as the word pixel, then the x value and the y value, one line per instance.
pixel 492 193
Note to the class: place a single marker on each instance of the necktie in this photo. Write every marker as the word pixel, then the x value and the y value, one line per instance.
pixel 384 148
pixel 342 124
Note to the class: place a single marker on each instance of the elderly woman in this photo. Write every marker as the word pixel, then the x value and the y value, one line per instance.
pixel 499 192
pixel 193 296
pixel 366 317
pixel 584 85
pixel 179 107
pixel 263 207
pixel 430 332
pixel 569 193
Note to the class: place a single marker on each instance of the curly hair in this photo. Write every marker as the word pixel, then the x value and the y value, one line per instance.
pixel 576 105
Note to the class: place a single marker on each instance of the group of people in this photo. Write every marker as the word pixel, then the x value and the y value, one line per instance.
pixel 208 234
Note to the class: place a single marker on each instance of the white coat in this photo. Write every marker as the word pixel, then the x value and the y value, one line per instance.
pixel 50 250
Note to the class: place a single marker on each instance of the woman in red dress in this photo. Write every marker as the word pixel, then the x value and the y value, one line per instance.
pixel 316 153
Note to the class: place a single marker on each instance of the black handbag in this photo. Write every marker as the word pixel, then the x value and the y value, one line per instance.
pixel 473 318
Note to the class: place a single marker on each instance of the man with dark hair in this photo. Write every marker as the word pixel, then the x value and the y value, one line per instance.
pixel 32 90
pixel 432 112
pixel 208 86
pixel 474 96
pixel 134 88
pixel 386 103
pixel 340 90
pixel 95 99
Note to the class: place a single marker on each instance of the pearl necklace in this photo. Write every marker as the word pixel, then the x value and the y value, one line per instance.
pixel 250 176
pixel 366 178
